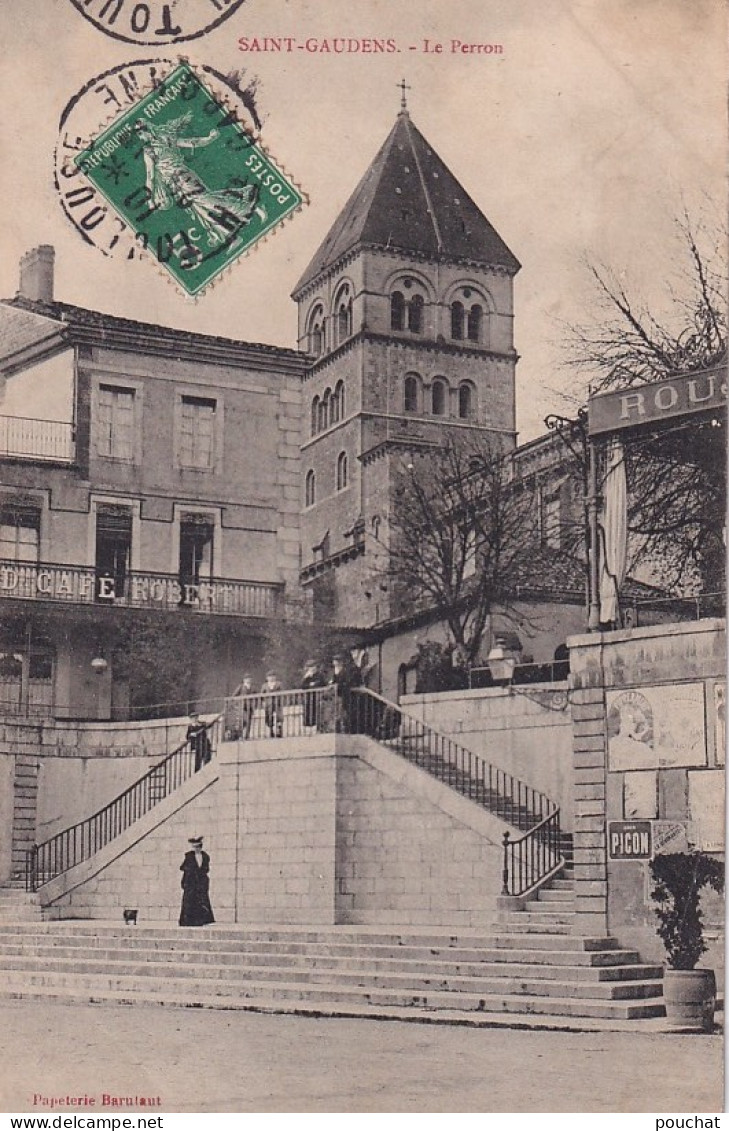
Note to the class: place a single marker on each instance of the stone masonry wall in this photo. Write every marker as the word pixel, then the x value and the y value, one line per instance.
pixel 314 830
pixel 526 732
pixel 677 668
pixel 285 830
pixel 143 868
pixel 402 860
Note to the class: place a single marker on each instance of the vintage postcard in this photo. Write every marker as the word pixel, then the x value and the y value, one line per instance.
pixel 362 557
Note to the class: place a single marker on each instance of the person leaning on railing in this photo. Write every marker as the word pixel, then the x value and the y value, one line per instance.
pixel 272 706
pixel 239 716
pixel 345 678
pixel 312 678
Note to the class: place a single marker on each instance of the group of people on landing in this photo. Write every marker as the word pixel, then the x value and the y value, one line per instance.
pixel 343 678
pixel 313 710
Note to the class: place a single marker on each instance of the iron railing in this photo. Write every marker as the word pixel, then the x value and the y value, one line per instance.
pixel 552 671
pixel 282 714
pixel 292 714
pixel 25 438
pixel 532 858
pixel 80 841
pixel 637 613
pixel 72 584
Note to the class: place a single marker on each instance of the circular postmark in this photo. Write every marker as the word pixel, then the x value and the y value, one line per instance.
pixel 156 21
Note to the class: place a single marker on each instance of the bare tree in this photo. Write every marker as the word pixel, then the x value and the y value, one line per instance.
pixel 625 344
pixel 458 537
pixel 676 474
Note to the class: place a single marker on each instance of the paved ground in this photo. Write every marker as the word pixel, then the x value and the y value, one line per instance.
pixel 222 1061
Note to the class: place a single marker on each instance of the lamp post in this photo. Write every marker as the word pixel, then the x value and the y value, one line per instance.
pixel 99 666
pixel 574 433
pixel 501 663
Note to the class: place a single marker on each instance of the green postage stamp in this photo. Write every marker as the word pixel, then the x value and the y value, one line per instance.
pixel 188 179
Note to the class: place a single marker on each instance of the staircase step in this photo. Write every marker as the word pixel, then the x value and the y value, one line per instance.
pixel 529 926
pixel 42 944
pixel 330 997
pixel 498 936
pixel 548 910
pixel 555 895
pixel 406 982
pixel 431 968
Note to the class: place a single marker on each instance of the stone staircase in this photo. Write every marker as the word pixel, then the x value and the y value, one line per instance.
pixel 18 905
pixel 529 964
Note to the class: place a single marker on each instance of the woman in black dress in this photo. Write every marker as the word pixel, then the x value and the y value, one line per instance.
pixel 196 910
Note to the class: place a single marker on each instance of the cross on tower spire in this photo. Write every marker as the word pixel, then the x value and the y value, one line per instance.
pixel 403 86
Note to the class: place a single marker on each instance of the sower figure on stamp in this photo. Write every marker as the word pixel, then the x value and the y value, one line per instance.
pixel 197 736
pixel 196 910
pixel 170 181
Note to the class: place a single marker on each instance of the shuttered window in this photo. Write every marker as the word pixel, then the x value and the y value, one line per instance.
pixel 197 432
pixel 115 423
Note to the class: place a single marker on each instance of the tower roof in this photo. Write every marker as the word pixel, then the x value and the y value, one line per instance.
pixel 409 200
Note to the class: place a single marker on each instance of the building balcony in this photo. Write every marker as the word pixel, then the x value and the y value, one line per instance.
pixel 84 585
pixel 28 439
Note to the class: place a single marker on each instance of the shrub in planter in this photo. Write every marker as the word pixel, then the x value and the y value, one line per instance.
pixel 679 879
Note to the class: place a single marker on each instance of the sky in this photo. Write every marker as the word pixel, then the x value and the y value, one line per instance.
pixel 596 125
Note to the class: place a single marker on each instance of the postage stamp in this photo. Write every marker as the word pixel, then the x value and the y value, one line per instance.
pixel 156 21
pixel 188 179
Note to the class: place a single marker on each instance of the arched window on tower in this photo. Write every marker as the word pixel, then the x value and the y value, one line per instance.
pixel 475 323
pixel 343 316
pixel 337 406
pixel 316 331
pixel 334 407
pixel 439 394
pixel 411 394
pixel 397 311
pixel 315 416
pixel 324 410
pixel 457 313
pixel 310 489
pixel 342 471
pixel 465 400
pixel 415 314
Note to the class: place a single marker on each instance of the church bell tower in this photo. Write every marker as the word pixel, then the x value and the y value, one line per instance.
pixel 407 311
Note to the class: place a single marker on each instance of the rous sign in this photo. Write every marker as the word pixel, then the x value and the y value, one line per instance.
pixel 630 840
pixel 650 404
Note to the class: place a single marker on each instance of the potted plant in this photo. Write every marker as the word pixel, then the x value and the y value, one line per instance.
pixel 679 879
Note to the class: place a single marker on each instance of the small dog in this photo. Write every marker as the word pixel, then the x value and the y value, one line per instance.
pixel 130 916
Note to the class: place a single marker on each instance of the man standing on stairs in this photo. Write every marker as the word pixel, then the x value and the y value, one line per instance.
pixel 197 736
pixel 196 910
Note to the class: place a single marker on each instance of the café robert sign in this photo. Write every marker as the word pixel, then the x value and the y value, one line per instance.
pixel 702 391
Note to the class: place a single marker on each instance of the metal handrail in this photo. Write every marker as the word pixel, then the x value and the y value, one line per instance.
pixel 457 759
pixel 532 858
pixel 528 859
pixel 551 671
pixel 80 841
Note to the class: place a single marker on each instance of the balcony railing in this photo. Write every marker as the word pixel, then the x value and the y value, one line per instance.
pixel 24 438
pixel 83 585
